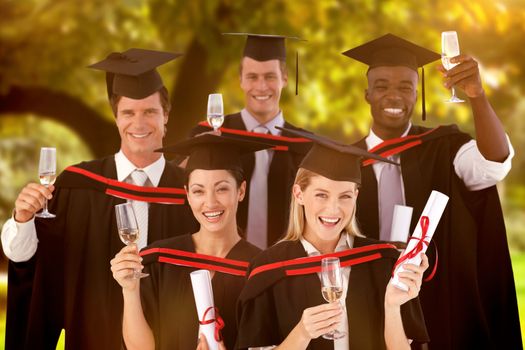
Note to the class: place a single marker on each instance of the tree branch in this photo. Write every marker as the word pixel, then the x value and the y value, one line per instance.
pixel 99 134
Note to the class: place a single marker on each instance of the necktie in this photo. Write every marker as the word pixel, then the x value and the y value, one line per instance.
pixel 258 201
pixel 390 194
pixel 140 178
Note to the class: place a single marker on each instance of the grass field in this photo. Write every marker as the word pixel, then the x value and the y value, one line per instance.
pixel 518 263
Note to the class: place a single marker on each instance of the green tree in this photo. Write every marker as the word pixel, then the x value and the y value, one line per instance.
pixel 46 45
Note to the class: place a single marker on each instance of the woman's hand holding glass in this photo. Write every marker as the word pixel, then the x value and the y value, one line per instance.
pixel 332 288
pixel 124 265
pixel 128 230
pixel 321 319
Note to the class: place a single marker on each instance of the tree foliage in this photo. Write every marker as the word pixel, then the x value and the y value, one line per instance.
pixel 45 46
pixel 64 37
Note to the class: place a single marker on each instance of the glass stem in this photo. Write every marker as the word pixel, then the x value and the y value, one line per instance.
pixel 45 205
pixel 453 92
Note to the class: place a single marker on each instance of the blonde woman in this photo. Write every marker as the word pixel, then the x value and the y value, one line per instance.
pixel 281 305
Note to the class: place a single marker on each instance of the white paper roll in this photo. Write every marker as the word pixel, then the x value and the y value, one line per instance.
pixel 203 294
pixel 433 210
pixel 401 223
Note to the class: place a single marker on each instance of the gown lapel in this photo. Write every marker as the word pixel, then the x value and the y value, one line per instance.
pixel 415 195
pixel 368 219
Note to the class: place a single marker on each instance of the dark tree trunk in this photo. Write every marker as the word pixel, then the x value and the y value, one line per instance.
pixel 99 134
pixel 200 73
pixel 189 95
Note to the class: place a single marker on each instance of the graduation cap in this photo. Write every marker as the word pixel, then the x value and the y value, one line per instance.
pixel 334 160
pixel 133 73
pixel 265 47
pixel 214 152
pixel 390 50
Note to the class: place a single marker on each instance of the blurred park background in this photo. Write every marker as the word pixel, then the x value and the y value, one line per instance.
pixel 49 98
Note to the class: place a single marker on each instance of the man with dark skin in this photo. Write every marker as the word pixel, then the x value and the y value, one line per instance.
pixel 471 300
pixel 396 87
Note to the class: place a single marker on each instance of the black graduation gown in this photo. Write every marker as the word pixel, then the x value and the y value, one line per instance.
pixel 168 302
pixel 471 302
pixel 68 283
pixel 281 176
pixel 268 310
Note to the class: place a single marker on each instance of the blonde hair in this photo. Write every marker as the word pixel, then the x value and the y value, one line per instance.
pixel 297 220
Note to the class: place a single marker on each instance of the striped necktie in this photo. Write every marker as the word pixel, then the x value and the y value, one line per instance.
pixel 140 178
pixel 390 193
pixel 258 197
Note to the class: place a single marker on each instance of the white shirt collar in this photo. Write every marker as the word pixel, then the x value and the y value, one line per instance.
pixel 345 242
pixel 373 140
pixel 251 123
pixel 125 167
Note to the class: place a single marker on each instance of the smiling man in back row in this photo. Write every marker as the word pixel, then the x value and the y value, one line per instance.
pixel 263 215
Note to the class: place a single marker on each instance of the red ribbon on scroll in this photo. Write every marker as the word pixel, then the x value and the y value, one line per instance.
pixel 424 222
pixel 219 322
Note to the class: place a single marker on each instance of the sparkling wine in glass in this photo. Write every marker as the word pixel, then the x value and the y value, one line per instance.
pixel 47 171
pixel 128 229
pixel 332 287
pixel 450 48
pixel 215 112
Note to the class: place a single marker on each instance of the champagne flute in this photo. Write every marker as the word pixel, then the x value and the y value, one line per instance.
pixel 47 171
pixel 215 113
pixel 128 229
pixel 450 48
pixel 332 287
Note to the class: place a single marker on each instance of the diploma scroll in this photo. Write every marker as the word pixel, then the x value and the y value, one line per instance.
pixel 401 223
pixel 203 294
pixel 422 235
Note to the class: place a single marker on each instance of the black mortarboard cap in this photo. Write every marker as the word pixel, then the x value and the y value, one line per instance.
pixel 214 152
pixel 133 73
pixel 391 50
pixel 265 47
pixel 334 160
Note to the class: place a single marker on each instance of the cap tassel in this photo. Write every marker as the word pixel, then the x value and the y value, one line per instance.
pixel 296 73
pixel 423 109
